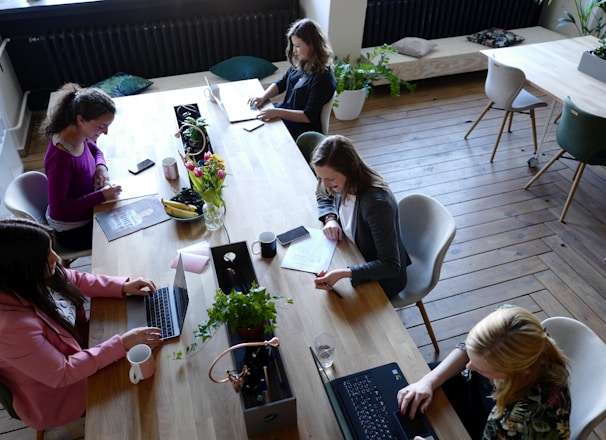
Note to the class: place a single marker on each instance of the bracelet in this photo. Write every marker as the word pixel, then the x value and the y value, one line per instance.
pixel 328 217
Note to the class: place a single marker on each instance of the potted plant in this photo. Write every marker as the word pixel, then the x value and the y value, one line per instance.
pixel 588 18
pixel 593 62
pixel 195 137
pixel 355 81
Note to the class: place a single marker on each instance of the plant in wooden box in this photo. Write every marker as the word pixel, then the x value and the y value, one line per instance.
pixel 250 315
pixel 194 131
pixel 593 62
pixel 355 81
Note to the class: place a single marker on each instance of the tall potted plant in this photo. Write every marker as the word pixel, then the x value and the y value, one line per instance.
pixel 354 81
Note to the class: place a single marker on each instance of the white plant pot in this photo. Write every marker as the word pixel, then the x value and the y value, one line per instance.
pixel 350 104
pixel 593 66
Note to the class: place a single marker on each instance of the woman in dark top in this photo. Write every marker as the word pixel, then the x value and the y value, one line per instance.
pixel 308 84
pixel 355 202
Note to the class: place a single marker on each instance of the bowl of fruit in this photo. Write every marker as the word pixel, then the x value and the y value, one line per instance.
pixel 185 206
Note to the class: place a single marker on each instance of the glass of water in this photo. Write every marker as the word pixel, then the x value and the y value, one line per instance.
pixel 324 344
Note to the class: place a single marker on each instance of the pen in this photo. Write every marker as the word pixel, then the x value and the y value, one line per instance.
pixel 332 289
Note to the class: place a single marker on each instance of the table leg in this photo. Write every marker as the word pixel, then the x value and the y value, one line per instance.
pixel 534 160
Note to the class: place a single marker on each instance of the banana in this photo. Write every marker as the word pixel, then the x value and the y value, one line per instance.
pixel 179 213
pixel 178 205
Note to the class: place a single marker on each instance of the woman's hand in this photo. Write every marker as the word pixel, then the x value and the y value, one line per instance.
pixel 101 177
pixel 111 192
pixel 140 286
pixel 416 396
pixel 142 335
pixel 332 230
pixel 256 101
pixel 325 280
pixel 268 114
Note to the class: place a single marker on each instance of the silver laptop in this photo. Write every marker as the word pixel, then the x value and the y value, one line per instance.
pixel 165 308
pixel 366 407
pixel 232 98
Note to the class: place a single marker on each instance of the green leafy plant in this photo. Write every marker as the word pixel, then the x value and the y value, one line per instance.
pixel 192 133
pixel 374 67
pixel 588 17
pixel 237 310
pixel 600 51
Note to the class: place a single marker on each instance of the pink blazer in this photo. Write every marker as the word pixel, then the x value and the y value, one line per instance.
pixel 43 365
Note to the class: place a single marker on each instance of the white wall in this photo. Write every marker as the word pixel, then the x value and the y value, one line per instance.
pixel 342 20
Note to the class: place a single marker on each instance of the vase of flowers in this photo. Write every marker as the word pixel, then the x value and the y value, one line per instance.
pixel 207 177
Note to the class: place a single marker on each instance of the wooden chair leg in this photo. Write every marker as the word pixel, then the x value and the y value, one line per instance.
pixel 496 144
pixel 534 130
pixel 488 107
pixel 545 168
pixel 421 307
pixel 39 435
pixel 510 122
pixel 575 184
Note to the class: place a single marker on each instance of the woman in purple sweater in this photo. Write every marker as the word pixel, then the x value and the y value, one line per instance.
pixel 75 166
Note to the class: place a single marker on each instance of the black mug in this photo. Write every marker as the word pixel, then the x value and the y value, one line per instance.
pixel 267 245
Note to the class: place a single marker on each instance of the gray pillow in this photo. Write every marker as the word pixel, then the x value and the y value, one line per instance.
pixel 414 46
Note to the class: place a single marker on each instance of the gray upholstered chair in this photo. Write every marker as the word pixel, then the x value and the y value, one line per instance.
pixel 505 89
pixel 427 229
pixel 27 197
pixel 587 355
pixel 581 135
pixel 307 142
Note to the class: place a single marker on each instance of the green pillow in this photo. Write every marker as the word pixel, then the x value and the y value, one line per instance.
pixel 122 84
pixel 243 67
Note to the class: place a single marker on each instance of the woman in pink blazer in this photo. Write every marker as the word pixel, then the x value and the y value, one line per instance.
pixel 44 358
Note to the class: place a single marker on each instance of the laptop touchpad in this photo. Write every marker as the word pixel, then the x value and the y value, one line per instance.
pixel 408 429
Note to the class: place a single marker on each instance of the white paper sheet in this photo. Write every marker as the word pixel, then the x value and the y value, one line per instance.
pixel 312 254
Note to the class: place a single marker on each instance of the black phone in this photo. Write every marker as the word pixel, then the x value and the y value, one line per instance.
pixel 143 165
pixel 292 235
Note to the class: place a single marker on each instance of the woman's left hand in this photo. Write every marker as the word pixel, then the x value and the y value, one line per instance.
pixel 268 114
pixel 140 286
pixel 101 177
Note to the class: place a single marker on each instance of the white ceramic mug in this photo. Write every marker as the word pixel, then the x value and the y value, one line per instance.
pixel 142 365
pixel 169 166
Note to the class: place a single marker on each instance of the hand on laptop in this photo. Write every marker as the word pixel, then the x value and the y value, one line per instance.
pixel 142 335
pixel 139 286
pixel 416 396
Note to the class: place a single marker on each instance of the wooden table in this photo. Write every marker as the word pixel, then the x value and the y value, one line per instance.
pixel 552 67
pixel 269 187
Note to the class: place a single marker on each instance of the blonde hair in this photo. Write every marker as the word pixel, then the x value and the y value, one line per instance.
pixel 512 341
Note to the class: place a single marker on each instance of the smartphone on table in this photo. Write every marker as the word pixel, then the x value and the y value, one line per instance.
pixel 141 166
pixel 292 235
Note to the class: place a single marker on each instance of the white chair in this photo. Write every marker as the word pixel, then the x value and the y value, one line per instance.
pixel 587 355
pixel 27 197
pixel 505 89
pixel 325 115
pixel 427 230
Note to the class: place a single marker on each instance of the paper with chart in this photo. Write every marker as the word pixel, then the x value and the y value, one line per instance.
pixel 312 254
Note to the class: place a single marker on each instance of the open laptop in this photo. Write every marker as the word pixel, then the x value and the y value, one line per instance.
pixel 232 98
pixel 165 308
pixel 366 406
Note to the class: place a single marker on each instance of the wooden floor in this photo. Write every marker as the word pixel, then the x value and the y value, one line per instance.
pixel 510 246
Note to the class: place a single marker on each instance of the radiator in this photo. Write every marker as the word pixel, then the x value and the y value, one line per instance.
pixel 389 20
pixel 166 48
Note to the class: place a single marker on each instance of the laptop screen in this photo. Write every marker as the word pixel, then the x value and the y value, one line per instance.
pixel 180 291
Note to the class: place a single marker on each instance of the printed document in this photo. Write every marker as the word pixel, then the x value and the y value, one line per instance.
pixel 312 254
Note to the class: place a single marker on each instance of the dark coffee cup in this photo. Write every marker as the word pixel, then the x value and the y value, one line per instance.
pixel 266 245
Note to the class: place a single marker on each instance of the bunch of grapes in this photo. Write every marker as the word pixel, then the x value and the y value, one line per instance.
pixel 189 197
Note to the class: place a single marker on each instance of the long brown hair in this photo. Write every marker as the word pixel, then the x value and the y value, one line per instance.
pixel 311 33
pixel 512 341
pixel 339 153
pixel 24 269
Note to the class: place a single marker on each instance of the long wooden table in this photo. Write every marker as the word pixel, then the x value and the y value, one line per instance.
pixel 552 67
pixel 269 187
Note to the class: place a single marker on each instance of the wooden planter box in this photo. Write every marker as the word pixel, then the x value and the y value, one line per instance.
pixel 593 66
pixel 281 410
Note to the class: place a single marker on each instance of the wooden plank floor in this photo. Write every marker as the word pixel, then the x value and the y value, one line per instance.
pixel 510 246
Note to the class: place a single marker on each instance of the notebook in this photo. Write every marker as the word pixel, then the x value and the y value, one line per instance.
pixel 366 406
pixel 232 98
pixel 165 308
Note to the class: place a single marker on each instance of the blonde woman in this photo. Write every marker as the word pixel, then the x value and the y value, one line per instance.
pixel 527 372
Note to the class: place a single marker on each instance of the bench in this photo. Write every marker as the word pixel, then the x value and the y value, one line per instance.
pixel 455 55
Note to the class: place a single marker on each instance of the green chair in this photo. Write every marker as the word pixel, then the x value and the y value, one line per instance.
pixel 581 135
pixel 307 142
pixel 6 400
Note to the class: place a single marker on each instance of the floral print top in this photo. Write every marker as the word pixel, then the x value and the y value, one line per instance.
pixel 542 415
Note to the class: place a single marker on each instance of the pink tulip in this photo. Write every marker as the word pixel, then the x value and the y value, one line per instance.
pixel 197 172
pixel 221 174
pixel 189 165
pixel 207 155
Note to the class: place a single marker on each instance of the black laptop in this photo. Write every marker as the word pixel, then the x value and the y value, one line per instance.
pixel 366 406
pixel 165 308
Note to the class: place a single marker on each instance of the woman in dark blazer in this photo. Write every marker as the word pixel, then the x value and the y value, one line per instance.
pixel 355 202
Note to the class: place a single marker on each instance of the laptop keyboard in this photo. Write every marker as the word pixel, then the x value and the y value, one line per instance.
pixel 369 406
pixel 158 312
